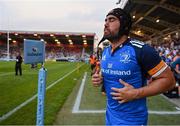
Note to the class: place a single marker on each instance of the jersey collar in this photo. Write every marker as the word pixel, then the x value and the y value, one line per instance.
pixel 118 47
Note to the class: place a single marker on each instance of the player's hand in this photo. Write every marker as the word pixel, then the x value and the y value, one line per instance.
pixel 125 94
pixel 97 78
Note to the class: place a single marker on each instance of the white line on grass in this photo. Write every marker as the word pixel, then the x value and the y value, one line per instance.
pixel 90 111
pixel 164 112
pixel 4 74
pixel 76 107
pixel 170 100
pixel 5 116
pixel 79 95
pixel 150 112
pixel 9 73
pixel 177 108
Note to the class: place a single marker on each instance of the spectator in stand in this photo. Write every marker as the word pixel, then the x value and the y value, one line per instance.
pixel 176 63
pixel 176 68
pixel 162 56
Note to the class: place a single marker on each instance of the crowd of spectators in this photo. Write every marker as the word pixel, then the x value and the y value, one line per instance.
pixel 170 53
pixel 52 52
pixel 12 51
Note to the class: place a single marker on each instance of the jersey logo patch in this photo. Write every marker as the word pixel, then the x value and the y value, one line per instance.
pixel 125 57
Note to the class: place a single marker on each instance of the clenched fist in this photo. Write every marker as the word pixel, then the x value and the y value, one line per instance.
pixel 97 78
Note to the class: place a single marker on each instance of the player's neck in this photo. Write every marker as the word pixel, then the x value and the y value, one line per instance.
pixel 117 43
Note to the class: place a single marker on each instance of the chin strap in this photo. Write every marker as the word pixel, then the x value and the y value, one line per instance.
pixel 101 41
pixel 98 53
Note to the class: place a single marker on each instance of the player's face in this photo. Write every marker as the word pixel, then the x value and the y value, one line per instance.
pixel 111 27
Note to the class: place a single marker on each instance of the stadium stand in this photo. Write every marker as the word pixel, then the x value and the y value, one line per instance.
pixel 59 46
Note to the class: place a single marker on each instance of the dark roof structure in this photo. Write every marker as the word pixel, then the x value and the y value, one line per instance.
pixel 154 19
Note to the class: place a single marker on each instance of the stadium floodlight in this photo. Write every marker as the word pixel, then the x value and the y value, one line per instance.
pixel 51 35
pixel 35 34
pixel 177 33
pixel 84 36
pixel 157 21
pixel 139 31
pixel 14 41
pixel 67 36
pixel 70 40
pixel 56 40
pixel 16 34
pixel 9 39
pixel 84 41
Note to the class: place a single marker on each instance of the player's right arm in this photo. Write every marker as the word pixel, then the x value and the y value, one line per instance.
pixel 97 78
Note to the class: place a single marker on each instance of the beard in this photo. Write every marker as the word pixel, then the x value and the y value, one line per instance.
pixel 112 37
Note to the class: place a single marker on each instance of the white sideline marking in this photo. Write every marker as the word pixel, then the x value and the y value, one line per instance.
pixel 150 112
pixel 79 95
pixel 9 73
pixel 90 111
pixel 4 74
pixel 177 108
pixel 5 116
pixel 164 112
pixel 78 102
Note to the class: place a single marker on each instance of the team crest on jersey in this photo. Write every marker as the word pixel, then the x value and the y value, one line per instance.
pixel 125 57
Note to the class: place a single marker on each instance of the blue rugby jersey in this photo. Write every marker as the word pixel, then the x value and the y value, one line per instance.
pixel 132 62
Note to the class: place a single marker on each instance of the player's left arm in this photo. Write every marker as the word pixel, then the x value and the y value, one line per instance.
pixel 159 84
pixel 162 77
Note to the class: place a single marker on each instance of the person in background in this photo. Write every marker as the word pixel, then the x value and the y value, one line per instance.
pixel 176 63
pixel 162 56
pixel 18 64
pixel 92 61
pixel 124 69
pixel 175 66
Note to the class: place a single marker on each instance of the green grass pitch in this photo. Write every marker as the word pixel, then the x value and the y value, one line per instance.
pixel 60 99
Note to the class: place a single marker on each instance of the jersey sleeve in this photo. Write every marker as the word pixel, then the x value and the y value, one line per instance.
pixel 151 61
